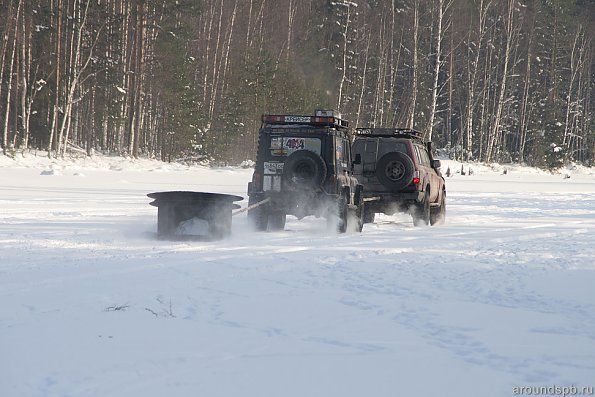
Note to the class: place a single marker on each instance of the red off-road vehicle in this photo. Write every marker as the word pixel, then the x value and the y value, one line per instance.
pixel 399 174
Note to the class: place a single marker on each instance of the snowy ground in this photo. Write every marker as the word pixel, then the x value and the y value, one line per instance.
pixel 92 304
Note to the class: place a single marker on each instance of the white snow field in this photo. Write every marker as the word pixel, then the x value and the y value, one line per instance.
pixel 501 296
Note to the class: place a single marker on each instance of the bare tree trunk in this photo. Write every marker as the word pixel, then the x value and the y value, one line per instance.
pixel 5 141
pixel 392 68
pixel 228 46
pixel 77 71
pixel 554 61
pixel 472 70
pixel 484 124
pixel 290 17
pixel 132 74
pixel 5 44
pixel 216 65
pixel 524 115
pixel 70 70
pixel 25 91
pixel 413 104
pixel 90 139
pixel 7 30
pixel 363 85
pixel 442 7
pixel 259 24
pixel 380 76
pixel 574 69
pixel 57 88
pixel 343 79
pixel 248 29
pixel 205 72
pixel 136 77
pixel 584 95
pixel 395 70
pixel 509 30
pixel 17 85
pixel 140 70
pixel 448 130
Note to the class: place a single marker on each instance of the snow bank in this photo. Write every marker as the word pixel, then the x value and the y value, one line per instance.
pixel 93 304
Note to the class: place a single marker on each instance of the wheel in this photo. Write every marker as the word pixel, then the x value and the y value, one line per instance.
pixel 258 217
pixel 438 214
pixel 421 211
pixel 304 169
pixel 360 209
pixel 394 170
pixel 337 215
pixel 276 220
pixel 359 221
pixel 343 215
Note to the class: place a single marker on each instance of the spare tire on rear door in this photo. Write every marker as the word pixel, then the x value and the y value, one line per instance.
pixel 394 170
pixel 304 169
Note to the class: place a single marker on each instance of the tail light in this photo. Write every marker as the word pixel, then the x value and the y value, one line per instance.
pixel 416 178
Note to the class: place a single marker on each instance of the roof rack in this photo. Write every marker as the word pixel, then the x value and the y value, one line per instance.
pixel 390 132
pixel 320 119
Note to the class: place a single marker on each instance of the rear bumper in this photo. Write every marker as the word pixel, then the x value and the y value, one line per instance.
pixel 390 203
pixel 299 203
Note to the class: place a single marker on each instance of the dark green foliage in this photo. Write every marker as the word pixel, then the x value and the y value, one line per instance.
pixel 262 87
pixel 209 69
pixel 179 121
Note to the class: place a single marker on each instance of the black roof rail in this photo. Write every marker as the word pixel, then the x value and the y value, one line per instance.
pixel 390 132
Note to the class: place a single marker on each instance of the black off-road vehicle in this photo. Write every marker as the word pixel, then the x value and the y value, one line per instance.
pixel 399 174
pixel 304 167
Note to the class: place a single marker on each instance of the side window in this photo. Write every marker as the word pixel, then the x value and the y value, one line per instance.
pixel 347 151
pixel 417 155
pixel 422 156
pixel 342 152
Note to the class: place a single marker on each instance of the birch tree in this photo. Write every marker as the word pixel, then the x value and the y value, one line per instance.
pixel 347 10
pixel 77 70
pixel 509 36
pixel 165 77
pixel 576 61
pixel 414 66
pixel 441 9
pixel 473 67
pixel 5 139
pixel 57 78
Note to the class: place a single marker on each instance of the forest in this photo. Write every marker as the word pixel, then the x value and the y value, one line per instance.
pixel 507 81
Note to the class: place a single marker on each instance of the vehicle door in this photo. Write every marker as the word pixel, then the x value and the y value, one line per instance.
pixel 343 162
pixel 429 174
pixel 282 144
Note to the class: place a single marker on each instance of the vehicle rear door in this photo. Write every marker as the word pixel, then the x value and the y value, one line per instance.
pixel 429 174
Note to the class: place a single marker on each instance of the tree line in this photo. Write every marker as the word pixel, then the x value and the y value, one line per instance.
pixel 487 80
